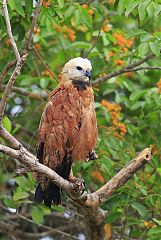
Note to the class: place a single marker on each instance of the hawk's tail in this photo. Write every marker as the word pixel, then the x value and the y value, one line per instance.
pixel 52 192
pixel 49 195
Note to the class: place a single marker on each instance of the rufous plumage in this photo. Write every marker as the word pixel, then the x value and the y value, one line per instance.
pixel 68 127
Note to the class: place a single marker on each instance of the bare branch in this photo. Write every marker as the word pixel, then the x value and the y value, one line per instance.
pixel 42 61
pixel 9 138
pixel 123 176
pixel 6 69
pixel 97 38
pixel 24 92
pixel 9 31
pixel 31 32
pixel 20 60
pixel 128 68
pixel 32 162
pixel 10 84
pixel 90 200
pixel 146 68
pixel 13 63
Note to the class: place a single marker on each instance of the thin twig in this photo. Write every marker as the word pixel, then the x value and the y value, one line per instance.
pixel 48 228
pixel 8 66
pixel 123 70
pixel 146 68
pixel 42 61
pixel 96 40
pixel 20 60
pixel 9 31
pixel 10 84
pixel 16 215
pixel 24 92
pixel 31 32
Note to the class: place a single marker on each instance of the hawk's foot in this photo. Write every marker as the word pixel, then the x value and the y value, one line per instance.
pixel 91 156
pixel 79 185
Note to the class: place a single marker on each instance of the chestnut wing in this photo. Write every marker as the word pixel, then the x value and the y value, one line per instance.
pixel 59 127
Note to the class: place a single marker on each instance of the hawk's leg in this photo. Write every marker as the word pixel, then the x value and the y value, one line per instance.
pixel 91 156
pixel 71 178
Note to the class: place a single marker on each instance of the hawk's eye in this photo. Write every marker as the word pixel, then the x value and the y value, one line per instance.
pixel 79 68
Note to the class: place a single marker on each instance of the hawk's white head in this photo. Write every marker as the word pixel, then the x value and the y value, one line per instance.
pixel 77 69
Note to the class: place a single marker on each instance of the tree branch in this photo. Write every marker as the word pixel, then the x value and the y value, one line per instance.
pixel 128 68
pixel 31 32
pixel 24 92
pixel 146 68
pixel 9 31
pixel 10 84
pixel 91 202
pixel 123 176
pixel 43 62
pixel 20 59
pixel 6 69
pixel 88 200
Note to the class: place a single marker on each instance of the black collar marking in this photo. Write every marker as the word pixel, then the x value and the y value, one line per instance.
pixel 81 85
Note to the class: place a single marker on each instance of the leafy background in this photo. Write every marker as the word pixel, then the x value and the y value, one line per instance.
pixel 112 34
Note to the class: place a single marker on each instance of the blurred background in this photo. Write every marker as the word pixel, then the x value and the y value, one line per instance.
pixel 112 34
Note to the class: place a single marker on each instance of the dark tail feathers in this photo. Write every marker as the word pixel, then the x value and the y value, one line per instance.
pixel 51 194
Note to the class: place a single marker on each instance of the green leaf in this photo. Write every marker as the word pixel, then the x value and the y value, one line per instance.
pixel 86 19
pixel 81 44
pixel 49 25
pixel 157 9
pixel 7 124
pixel 69 12
pixel 155 48
pixel 18 31
pixel 46 210
pixel 105 40
pixel 156 230
pixel 137 94
pixel 151 9
pixel 20 195
pixel 78 17
pixel 135 33
pixel 139 208
pixel 23 182
pixel 9 203
pixel 143 48
pixel 136 105
pixel 44 82
pixel 19 8
pixel 113 217
pixel 131 129
pixel 12 4
pixel 159 171
pixel 130 6
pixel 142 9
pixel 157 221
pixel 121 6
pixel 59 13
pixel 58 208
pixel 61 3
pixel 97 105
pixel 146 37
pixel 29 6
pixel 37 214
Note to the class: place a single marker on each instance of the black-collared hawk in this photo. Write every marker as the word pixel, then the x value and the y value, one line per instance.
pixel 68 128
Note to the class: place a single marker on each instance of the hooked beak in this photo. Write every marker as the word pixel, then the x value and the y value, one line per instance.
pixel 88 74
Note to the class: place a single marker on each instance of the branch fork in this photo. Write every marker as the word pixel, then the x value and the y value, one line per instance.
pixel 90 202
